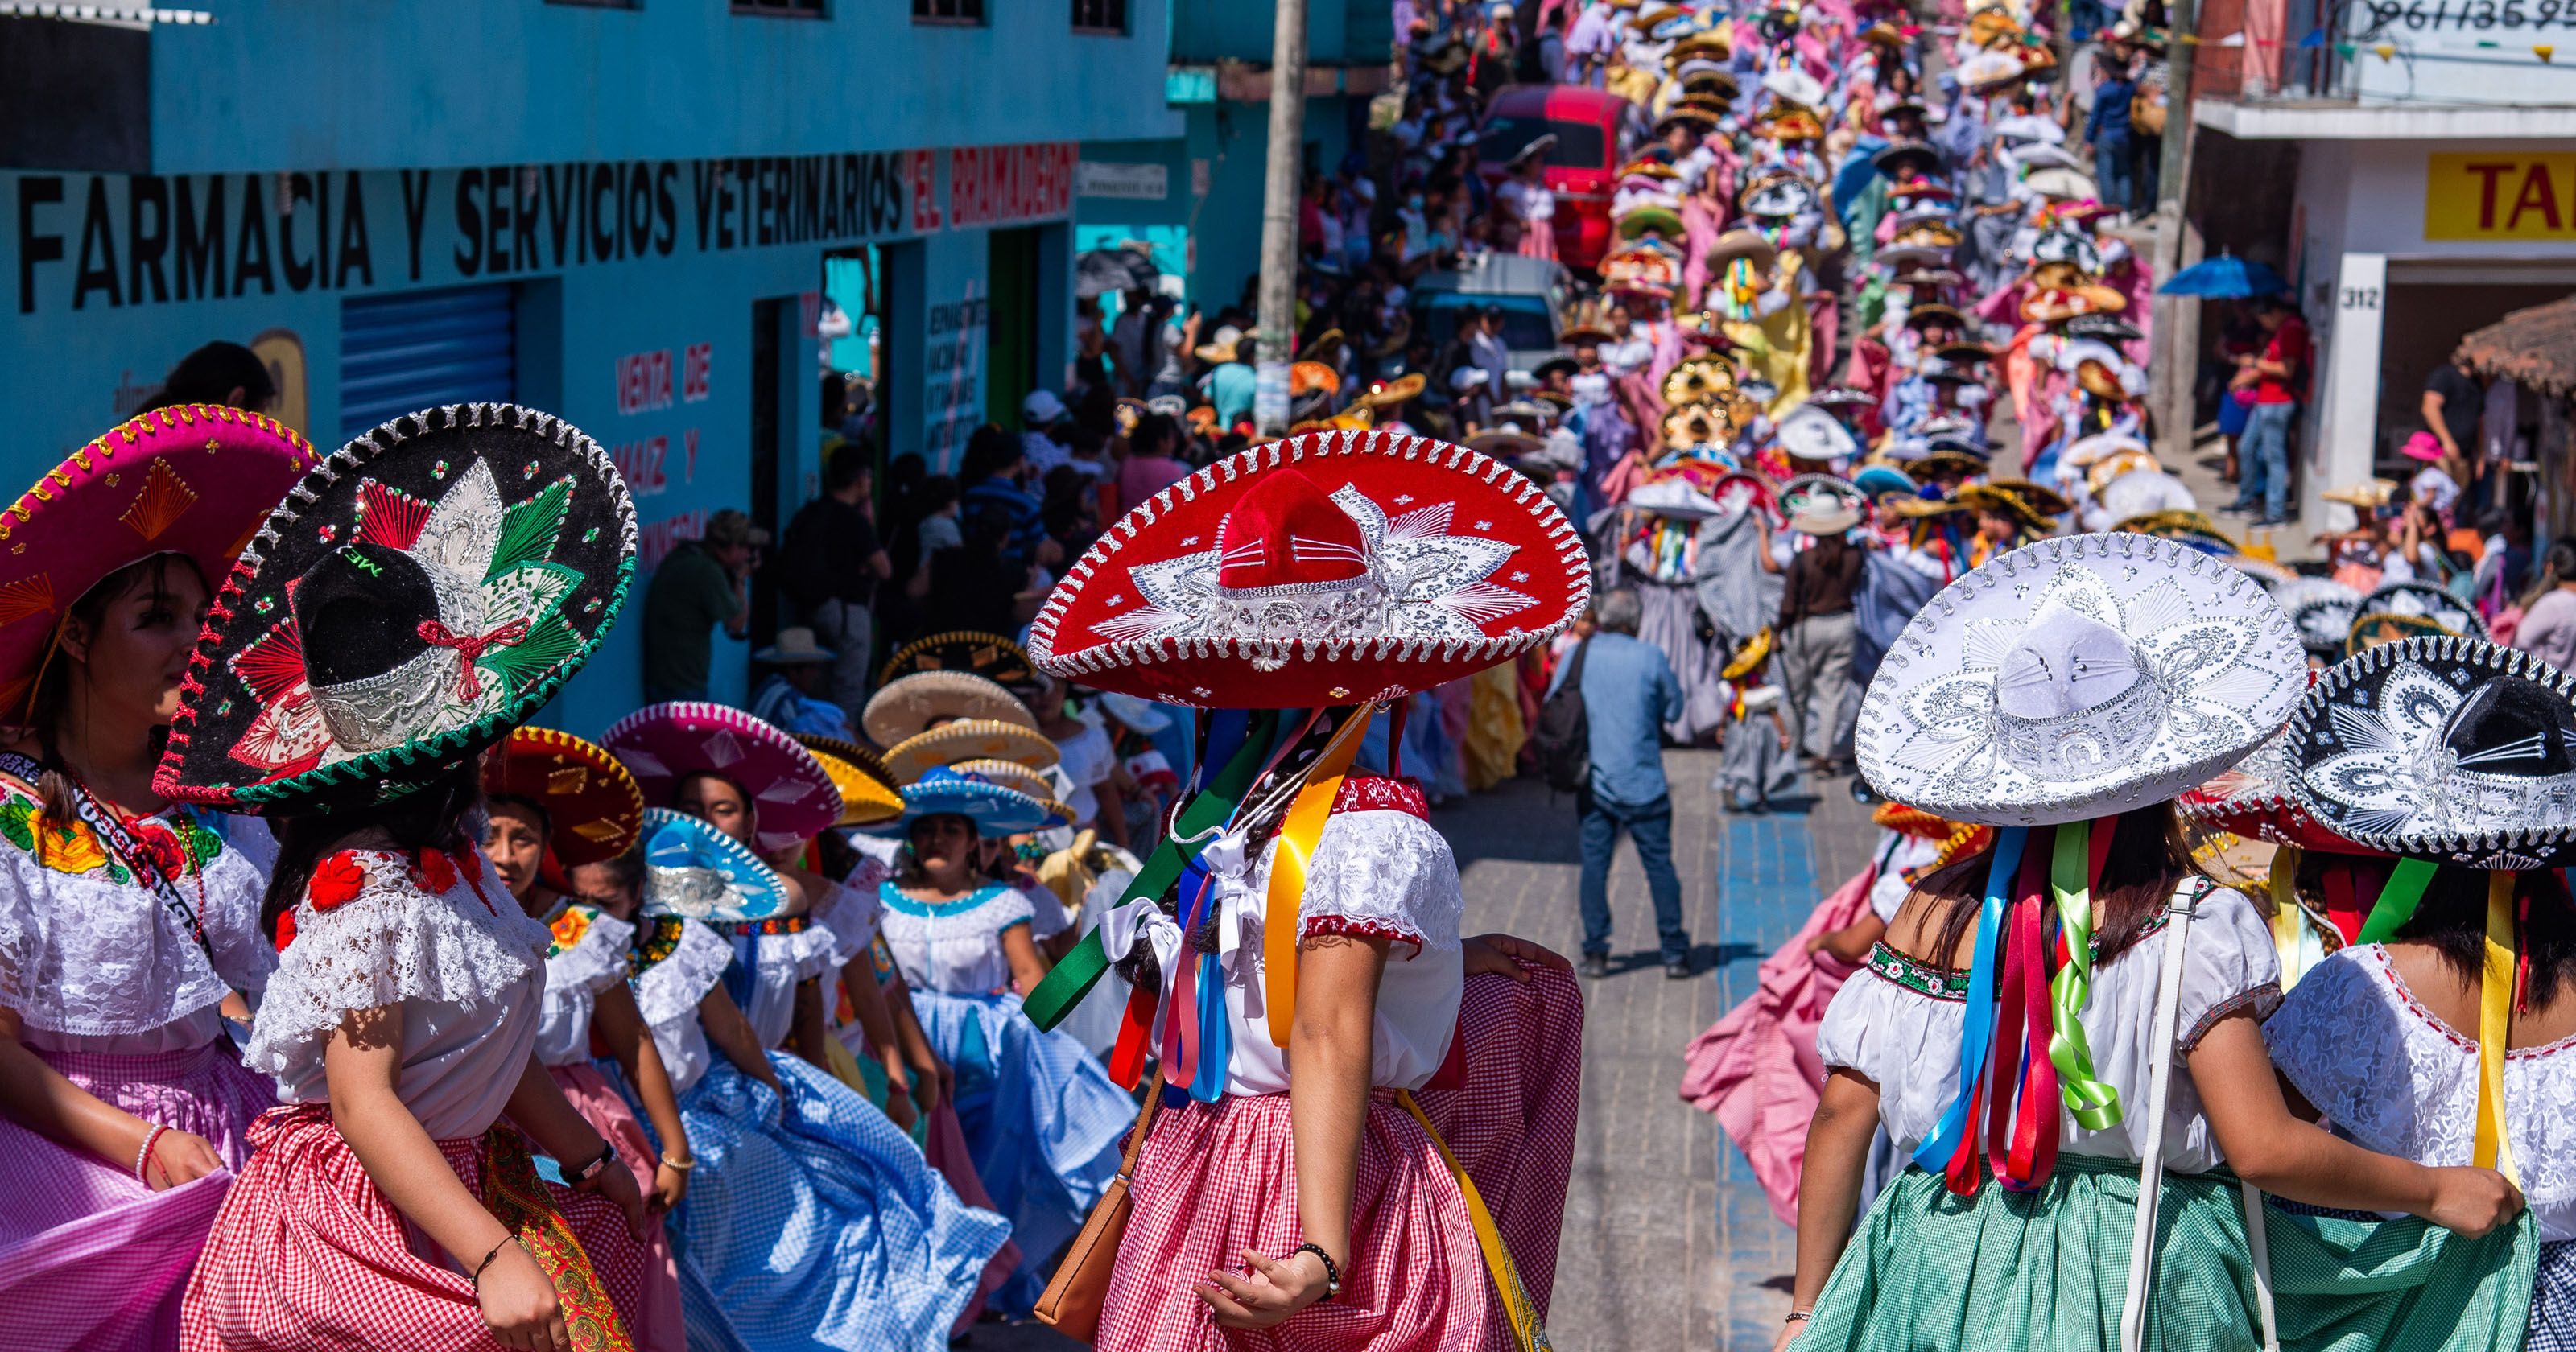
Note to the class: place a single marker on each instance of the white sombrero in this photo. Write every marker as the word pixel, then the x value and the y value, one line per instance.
pixel 2076 678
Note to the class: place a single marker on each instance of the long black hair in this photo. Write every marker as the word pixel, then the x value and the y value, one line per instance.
pixel 2452 921
pixel 429 818
pixel 2147 859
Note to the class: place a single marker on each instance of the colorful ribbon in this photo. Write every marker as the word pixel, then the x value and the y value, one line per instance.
pixel 1298 835
pixel 1976 1032
pixel 1529 1332
pixel 2077 866
pixel 2495 1012
pixel 2397 900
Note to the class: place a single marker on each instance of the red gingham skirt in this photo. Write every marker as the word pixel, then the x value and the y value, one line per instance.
pixel 307 1256
pixel 1215 1179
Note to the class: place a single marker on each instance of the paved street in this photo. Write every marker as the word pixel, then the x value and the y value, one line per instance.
pixel 1668 1243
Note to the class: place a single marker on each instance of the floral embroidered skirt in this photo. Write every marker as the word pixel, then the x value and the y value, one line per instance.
pixel 308 1256
pixel 654 1319
pixel 1216 1179
pixel 89 1257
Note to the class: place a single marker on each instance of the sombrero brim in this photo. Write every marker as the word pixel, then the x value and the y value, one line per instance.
pixel 1931 733
pixel 991 656
pixel 996 811
pixel 523 495
pixel 2360 737
pixel 793 797
pixel 908 705
pixel 592 805
pixel 1010 775
pixel 194 481
pixel 865 800
pixel 691 869
pixel 2421 600
pixel 973 739
pixel 1498 571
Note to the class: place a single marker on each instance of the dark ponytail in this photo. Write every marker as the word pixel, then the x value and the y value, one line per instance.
pixel 2558 566
pixel 429 818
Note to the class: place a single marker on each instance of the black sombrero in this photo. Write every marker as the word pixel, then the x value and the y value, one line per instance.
pixel 2444 749
pixel 990 656
pixel 415 596
pixel 2423 601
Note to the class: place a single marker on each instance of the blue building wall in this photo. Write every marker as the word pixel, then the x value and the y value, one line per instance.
pixel 646 180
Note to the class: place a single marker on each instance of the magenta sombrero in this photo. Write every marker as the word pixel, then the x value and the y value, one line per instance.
pixel 793 797
pixel 195 481
pixel 1329 568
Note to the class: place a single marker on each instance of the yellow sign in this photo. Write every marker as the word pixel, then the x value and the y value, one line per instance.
pixel 2500 195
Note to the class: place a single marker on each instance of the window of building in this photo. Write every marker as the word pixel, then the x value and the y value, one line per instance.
pixel 1100 16
pixel 948 11
pixel 794 9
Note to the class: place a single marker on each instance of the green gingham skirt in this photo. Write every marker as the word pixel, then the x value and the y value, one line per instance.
pixel 1931 1272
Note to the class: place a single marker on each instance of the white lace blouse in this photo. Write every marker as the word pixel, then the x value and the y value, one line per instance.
pixel 1897 1023
pixel 465 965
pixel 677 962
pixel 782 953
pixel 2390 1076
pixel 586 957
pixel 93 960
pixel 954 947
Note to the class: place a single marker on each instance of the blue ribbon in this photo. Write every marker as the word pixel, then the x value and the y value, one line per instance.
pixel 1977 1030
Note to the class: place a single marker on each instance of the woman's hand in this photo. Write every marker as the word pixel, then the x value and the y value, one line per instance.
pixel 1276 1289
pixel 1788 1334
pixel 1507 955
pixel 179 1157
pixel 2469 1202
pixel 519 1303
pixel 899 1107
pixel 615 1184
pixel 670 1186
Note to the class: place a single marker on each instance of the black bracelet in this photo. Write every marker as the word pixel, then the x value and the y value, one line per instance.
pixel 582 1176
pixel 476 1281
pixel 1332 1270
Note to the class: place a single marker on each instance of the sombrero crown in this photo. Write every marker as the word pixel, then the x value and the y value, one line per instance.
pixel 593 809
pixel 793 798
pixel 1324 569
pixel 414 597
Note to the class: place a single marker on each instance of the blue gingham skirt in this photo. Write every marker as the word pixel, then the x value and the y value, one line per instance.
pixel 814 1222
pixel 2553 1299
pixel 1042 1120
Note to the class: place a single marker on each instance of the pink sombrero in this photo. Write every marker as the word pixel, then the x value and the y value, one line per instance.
pixel 1330 568
pixel 195 480
pixel 793 797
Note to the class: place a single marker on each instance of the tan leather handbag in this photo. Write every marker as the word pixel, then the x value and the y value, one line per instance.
pixel 1071 1305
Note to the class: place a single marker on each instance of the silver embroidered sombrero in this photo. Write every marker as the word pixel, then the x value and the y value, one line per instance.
pixel 2322 611
pixel 2422 601
pixel 2076 678
pixel 2446 749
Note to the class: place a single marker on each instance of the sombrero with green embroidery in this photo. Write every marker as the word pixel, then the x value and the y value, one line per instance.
pixel 415 596
pixel 693 870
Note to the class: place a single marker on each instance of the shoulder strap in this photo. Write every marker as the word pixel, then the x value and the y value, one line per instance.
pixel 119 841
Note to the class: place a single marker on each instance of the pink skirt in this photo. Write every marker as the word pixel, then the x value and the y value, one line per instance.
pixel 1215 1179
pixel 307 1255
pixel 654 1318
pixel 89 1257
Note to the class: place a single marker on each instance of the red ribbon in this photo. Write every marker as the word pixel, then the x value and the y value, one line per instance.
pixel 2343 907
pixel 470 649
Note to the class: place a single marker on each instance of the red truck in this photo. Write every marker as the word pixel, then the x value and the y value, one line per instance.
pixel 1594 131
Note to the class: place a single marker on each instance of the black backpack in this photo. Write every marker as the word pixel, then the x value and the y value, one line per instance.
pixel 1563 738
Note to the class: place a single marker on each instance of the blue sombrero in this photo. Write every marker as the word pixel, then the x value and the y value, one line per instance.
pixel 996 811
pixel 1876 479
pixel 692 869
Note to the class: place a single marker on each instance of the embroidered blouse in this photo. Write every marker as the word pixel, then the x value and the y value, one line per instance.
pixel 91 957
pixel 437 938
pixel 2391 1076
pixel 587 955
pixel 674 963
pixel 954 947
pixel 1898 1024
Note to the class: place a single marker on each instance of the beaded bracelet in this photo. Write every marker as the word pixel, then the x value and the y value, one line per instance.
pixel 143 1157
pixel 678 1166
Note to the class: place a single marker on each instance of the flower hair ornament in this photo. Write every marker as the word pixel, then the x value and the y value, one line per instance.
pixel 414 597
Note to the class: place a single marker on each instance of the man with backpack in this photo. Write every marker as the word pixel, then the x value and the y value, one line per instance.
pixel 1601 738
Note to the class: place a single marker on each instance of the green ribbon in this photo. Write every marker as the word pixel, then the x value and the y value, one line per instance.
pixel 2398 900
pixel 2094 1102
pixel 1073 978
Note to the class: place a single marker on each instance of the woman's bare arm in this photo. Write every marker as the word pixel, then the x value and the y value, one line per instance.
pixel 729 1029
pixel 621 1026
pixel 1829 1182
pixel 1027 968
pixel 38 1097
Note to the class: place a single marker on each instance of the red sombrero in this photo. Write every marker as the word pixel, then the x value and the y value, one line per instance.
pixel 593 808
pixel 197 480
pixel 1324 569
pixel 793 798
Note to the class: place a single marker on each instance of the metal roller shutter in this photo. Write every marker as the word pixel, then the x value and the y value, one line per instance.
pixel 419 349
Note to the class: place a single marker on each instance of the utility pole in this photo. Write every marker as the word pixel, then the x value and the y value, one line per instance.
pixel 1277 325
pixel 2176 347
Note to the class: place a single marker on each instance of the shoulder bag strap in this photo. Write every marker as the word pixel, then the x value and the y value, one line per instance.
pixel 120 842
pixel 2151 1170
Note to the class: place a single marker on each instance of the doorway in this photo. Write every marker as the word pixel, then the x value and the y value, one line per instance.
pixel 1011 356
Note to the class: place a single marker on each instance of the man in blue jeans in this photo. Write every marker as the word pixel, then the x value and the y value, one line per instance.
pixel 2107 131
pixel 2276 376
pixel 1629 693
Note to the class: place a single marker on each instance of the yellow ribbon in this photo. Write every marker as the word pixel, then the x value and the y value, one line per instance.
pixel 1529 1333
pixel 2495 1009
pixel 1297 837
pixel 2288 925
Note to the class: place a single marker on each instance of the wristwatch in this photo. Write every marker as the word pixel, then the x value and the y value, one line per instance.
pixel 587 1172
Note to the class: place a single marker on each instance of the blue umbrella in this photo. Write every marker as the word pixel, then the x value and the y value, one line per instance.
pixel 2225 276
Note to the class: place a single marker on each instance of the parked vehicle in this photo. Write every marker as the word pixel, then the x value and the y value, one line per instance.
pixel 1531 293
pixel 1594 132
